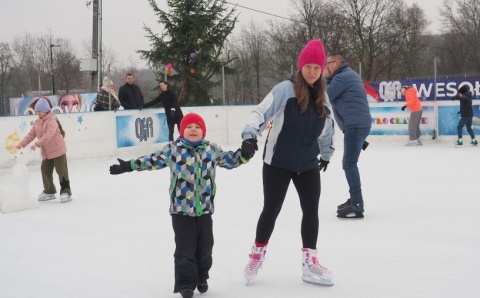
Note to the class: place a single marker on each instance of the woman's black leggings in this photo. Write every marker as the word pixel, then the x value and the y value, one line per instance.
pixel 275 186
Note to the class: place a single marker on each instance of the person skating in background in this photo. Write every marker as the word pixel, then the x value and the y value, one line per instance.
pixel 298 145
pixel 192 161
pixel 169 100
pixel 415 107
pixel 466 115
pixel 130 95
pixel 350 105
pixel 49 136
pixel 107 100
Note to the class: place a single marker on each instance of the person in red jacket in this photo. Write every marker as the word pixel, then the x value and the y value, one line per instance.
pixel 49 137
pixel 415 107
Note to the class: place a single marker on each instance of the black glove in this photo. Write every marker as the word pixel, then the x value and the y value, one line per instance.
pixel 248 148
pixel 323 164
pixel 365 145
pixel 123 167
pixel 403 108
pixel 172 112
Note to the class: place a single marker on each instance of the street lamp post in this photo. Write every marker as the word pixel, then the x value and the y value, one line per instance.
pixel 51 65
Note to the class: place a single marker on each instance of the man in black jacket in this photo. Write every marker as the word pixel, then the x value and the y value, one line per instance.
pixel 130 95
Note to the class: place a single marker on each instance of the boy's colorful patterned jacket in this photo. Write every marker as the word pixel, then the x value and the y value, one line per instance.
pixel 192 173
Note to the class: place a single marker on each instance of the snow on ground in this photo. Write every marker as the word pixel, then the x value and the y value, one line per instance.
pixel 419 237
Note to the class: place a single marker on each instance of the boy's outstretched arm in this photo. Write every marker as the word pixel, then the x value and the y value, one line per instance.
pixel 123 167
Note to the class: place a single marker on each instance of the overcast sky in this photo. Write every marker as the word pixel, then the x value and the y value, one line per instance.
pixel 123 21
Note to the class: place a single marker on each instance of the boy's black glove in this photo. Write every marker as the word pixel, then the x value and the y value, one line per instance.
pixel 248 148
pixel 403 108
pixel 123 167
pixel 172 112
pixel 323 164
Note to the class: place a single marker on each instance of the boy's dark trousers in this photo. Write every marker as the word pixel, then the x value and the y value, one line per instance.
pixel 193 252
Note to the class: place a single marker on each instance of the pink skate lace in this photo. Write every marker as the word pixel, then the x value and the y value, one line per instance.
pixel 314 266
pixel 255 261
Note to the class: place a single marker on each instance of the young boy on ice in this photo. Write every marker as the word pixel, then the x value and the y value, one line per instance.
pixel 192 161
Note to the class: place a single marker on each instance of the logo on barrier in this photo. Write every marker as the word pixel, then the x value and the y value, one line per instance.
pixel 144 128
pixel 133 130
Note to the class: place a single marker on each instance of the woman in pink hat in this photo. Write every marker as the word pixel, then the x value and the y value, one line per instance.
pixel 299 144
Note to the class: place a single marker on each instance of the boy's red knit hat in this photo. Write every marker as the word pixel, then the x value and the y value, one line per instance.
pixel 312 53
pixel 192 118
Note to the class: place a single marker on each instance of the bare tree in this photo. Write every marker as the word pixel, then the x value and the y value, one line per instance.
pixel 403 52
pixel 284 43
pixel 334 29
pixel 33 52
pixel 249 49
pixel 7 67
pixel 307 13
pixel 461 21
pixel 66 68
pixel 370 20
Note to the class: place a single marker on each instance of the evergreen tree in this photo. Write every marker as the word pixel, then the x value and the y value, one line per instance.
pixel 191 44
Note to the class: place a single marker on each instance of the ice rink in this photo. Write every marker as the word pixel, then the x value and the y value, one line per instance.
pixel 419 238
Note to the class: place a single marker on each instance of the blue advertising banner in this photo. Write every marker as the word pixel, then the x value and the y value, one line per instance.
pixel 449 119
pixel 133 130
pixel 388 91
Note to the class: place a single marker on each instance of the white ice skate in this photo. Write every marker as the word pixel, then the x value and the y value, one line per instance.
pixel 313 272
pixel 65 197
pixel 255 263
pixel 46 197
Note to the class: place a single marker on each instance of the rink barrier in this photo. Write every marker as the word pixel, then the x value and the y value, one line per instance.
pixel 93 135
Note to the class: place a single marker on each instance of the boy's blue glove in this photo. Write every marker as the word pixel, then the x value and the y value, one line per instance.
pixel 323 164
pixel 248 148
pixel 123 167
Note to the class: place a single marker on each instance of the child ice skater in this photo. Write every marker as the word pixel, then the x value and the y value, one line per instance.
pixel 50 138
pixel 466 115
pixel 192 161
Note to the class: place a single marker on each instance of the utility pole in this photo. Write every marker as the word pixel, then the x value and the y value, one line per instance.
pixel 51 60
pixel 97 43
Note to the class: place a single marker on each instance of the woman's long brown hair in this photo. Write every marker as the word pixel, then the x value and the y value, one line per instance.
pixel 302 93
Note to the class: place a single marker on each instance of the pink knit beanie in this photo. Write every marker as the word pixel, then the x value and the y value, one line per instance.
pixel 312 53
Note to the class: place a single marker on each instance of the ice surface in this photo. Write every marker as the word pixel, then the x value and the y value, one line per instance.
pixel 420 236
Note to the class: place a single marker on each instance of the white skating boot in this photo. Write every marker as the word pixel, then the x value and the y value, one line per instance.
pixel 46 197
pixel 313 272
pixel 255 263
pixel 65 197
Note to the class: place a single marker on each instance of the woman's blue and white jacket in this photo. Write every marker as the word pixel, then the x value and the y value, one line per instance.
pixel 192 173
pixel 294 142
